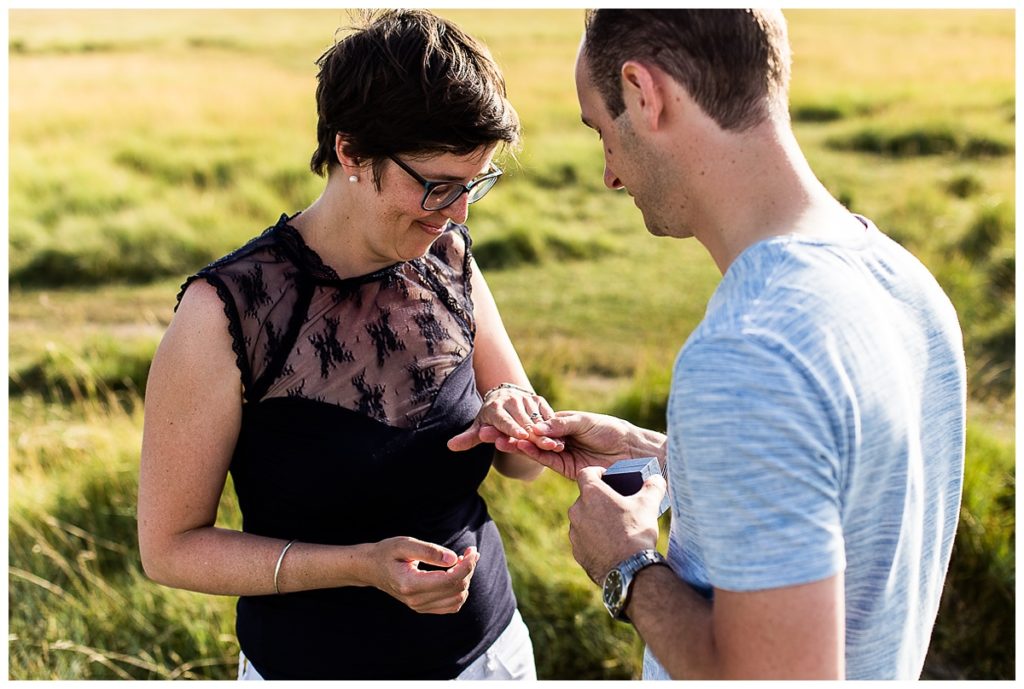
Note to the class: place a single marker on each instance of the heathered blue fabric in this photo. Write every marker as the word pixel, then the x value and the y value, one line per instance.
pixel 816 425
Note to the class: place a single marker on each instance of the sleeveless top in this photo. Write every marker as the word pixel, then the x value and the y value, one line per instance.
pixel 351 390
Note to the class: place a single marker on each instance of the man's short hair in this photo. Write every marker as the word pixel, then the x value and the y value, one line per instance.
pixel 408 81
pixel 735 64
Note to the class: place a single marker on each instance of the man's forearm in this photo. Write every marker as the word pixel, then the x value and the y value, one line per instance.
pixel 675 622
pixel 791 632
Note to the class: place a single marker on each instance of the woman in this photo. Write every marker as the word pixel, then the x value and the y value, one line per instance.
pixel 326 363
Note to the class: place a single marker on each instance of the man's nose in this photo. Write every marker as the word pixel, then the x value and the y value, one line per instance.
pixel 610 180
pixel 458 211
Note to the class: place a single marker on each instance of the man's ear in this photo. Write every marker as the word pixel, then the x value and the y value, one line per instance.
pixel 642 93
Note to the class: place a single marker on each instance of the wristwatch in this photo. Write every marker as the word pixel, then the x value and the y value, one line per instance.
pixel 618 583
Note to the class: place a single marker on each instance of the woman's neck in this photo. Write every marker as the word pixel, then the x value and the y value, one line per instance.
pixel 330 228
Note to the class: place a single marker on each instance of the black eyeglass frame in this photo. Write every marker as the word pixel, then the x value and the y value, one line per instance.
pixel 489 180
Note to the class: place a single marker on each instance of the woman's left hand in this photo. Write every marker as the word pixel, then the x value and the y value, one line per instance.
pixel 513 411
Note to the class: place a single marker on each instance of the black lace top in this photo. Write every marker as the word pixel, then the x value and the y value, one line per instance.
pixel 351 389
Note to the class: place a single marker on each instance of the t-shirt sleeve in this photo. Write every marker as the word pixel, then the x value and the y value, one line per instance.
pixel 756 461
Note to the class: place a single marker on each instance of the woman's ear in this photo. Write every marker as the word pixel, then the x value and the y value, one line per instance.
pixel 349 163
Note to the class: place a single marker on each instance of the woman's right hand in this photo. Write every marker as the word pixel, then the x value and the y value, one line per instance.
pixel 439 592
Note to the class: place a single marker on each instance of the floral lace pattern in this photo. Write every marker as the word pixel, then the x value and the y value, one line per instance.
pixel 380 344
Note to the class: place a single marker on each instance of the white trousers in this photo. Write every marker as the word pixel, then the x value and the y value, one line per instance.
pixel 510 657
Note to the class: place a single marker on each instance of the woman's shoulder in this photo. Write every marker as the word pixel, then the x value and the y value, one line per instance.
pixel 256 266
pixel 267 247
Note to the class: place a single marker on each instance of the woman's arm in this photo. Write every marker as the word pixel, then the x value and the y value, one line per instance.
pixel 494 362
pixel 193 414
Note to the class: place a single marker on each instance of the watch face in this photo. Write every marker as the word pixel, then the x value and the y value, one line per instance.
pixel 612 590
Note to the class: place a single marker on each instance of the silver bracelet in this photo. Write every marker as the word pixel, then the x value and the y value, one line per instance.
pixel 511 386
pixel 277 568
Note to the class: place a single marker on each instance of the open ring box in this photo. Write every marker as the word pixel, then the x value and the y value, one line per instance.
pixel 627 476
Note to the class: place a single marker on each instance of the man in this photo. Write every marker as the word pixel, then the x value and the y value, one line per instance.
pixel 816 418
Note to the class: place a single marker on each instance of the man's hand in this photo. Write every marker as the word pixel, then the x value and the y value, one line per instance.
pixel 590 440
pixel 606 528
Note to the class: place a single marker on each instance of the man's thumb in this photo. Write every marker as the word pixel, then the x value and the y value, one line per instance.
pixel 656 486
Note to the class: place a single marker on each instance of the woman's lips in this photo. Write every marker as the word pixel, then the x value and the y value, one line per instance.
pixel 432 229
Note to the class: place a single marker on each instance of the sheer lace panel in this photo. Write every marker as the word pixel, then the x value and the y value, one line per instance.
pixel 381 344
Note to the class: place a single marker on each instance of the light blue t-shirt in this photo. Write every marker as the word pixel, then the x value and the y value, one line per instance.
pixel 816 425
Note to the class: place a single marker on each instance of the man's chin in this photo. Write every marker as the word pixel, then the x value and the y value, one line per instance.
pixel 660 228
pixel 656 228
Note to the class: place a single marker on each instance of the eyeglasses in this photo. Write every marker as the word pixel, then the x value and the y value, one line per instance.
pixel 438 195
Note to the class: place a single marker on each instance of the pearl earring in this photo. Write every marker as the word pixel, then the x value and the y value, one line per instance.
pixel 353 179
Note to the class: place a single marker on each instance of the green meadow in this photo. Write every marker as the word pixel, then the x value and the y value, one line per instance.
pixel 144 144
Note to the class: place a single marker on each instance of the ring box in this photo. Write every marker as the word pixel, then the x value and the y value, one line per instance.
pixel 627 476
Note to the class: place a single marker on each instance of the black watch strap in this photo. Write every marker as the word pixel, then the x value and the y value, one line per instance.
pixel 618 584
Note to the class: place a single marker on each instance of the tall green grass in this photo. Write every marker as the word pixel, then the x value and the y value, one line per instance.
pixel 977 620
pixel 144 144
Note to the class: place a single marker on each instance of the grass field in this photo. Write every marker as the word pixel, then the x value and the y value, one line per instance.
pixel 144 144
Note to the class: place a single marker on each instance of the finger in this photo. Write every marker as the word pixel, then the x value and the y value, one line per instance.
pixel 490 434
pixel 545 409
pixel 509 425
pixel 466 440
pixel 501 441
pixel 527 448
pixel 563 423
pixel 443 606
pixel 415 550
pixel 509 445
pixel 534 411
pixel 422 587
pixel 552 460
pixel 436 596
pixel 589 476
pixel 525 412
pixel 549 444
pixel 439 591
pixel 655 486
pixel 466 565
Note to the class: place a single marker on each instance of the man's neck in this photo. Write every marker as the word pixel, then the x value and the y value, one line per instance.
pixel 759 186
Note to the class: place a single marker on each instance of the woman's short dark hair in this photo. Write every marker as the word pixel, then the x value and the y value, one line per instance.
pixel 408 81
pixel 735 64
